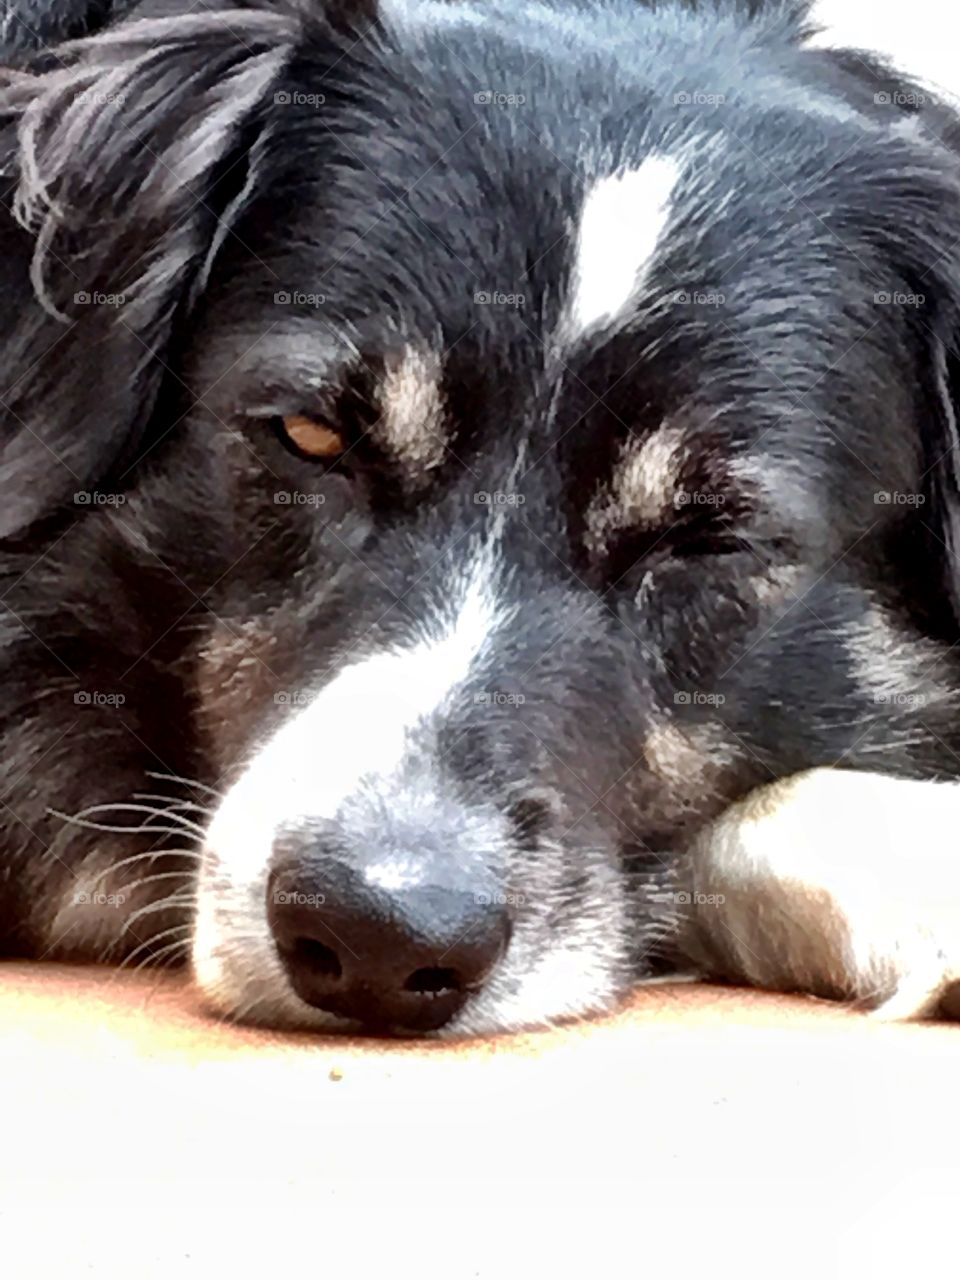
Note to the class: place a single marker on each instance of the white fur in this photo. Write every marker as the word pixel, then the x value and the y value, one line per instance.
pixel 357 727
pixel 909 35
pixel 839 882
pixel 622 221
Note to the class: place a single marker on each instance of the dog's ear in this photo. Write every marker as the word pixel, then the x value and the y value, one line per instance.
pixel 126 167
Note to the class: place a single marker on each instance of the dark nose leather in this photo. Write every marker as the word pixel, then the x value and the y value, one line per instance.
pixel 403 959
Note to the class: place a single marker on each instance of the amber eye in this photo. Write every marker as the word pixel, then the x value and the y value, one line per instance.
pixel 310 438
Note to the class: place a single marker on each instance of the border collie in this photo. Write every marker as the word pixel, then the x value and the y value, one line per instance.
pixel 453 456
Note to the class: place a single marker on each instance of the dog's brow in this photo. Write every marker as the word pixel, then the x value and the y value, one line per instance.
pixel 642 488
pixel 412 423
pixel 291 362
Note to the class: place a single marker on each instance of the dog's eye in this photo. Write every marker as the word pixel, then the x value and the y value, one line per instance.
pixel 311 438
pixel 710 542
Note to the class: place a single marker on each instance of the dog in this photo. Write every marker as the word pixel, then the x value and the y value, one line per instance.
pixel 479 499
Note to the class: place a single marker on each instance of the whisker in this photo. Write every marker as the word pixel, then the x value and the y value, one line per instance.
pixel 149 854
pixel 174 803
pixel 182 945
pixel 144 829
pixel 165 904
pixel 186 782
pixel 127 889
pixel 164 933
pixel 127 806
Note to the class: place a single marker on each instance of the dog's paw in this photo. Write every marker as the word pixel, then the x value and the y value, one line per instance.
pixel 841 884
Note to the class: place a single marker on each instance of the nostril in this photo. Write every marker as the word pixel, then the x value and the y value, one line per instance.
pixel 433 981
pixel 404 958
pixel 316 959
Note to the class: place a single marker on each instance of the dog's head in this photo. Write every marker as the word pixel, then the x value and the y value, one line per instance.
pixel 557 426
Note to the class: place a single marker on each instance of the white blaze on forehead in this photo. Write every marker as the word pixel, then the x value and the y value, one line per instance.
pixel 621 223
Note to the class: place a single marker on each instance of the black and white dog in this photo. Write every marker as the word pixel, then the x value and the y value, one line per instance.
pixel 452 454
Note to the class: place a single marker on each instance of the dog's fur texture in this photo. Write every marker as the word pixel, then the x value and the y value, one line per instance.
pixel 641 325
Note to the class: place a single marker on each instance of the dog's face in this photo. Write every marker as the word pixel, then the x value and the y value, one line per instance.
pixel 547 458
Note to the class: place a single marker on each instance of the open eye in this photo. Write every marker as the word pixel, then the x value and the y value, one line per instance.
pixel 310 438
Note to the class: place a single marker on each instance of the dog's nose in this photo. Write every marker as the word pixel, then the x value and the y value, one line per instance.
pixel 403 958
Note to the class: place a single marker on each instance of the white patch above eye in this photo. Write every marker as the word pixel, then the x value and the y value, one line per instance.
pixel 897 668
pixel 621 223
pixel 643 488
pixel 412 424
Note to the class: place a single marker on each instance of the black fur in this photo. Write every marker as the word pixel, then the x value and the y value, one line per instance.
pixel 198 166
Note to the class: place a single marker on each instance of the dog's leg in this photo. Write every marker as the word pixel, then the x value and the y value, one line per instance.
pixel 838 883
